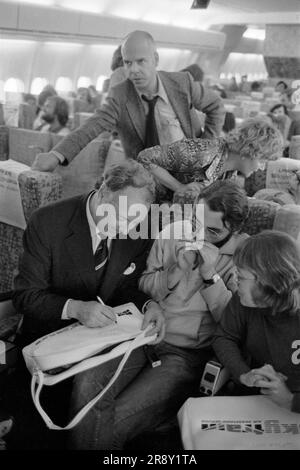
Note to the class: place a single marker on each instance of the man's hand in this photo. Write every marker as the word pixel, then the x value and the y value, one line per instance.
pixel 272 383
pixel 91 314
pixel 45 162
pixel 208 259
pixel 186 259
pixel 250 378
pixel 154 314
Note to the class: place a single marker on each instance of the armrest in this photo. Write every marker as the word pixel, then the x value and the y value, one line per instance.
pixel 10 320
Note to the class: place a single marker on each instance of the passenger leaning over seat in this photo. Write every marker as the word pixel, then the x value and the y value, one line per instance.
pixel 129 107
pixel 188 165
pixel 258 339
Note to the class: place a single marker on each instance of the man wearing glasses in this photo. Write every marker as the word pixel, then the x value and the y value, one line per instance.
pixel 193 282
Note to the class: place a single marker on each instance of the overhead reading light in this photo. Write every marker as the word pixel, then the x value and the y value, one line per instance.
pixel 200 4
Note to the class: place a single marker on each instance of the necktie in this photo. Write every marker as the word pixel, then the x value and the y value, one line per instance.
pixel 152 138
pixel 101 256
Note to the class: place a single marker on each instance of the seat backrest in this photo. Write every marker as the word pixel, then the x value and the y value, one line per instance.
pixel 36 189
pixel 2 122
pixel 25 144
pixel 287 220
pixel 84 172
pixel 255 182
pixel 26 116
pixel 4 146
pixel 261 216
pixel 80 119
pixel 9 319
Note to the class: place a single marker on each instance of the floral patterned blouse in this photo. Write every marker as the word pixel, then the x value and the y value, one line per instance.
pixel 188 160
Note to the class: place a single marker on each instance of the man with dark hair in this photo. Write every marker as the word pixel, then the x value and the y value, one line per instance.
pixel 146 109
pixel 193 280
pixel 55 116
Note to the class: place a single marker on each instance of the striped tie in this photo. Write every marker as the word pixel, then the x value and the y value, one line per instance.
pixel 101 256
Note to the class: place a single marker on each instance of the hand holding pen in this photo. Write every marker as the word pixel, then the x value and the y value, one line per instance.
pixel 110 314
pixel 93 314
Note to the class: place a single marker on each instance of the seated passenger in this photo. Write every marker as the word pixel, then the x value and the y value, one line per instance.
pixel 61 246
pixel 72 255
pixel 190 164
pixel 30 99
pixel 193 286
pixel 258 339
pixel 86 102
pixel 46 92
pixel 280 118
pixel 55 116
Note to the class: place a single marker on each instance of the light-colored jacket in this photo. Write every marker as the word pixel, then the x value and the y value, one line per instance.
pixel 192 309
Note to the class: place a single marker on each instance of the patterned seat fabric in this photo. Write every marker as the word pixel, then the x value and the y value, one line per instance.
pixel 288 220
pixel 255 182
pixel 261 216
pixel 37 189
pixel 85 172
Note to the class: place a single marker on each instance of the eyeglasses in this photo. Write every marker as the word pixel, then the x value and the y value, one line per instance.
pixel 197 227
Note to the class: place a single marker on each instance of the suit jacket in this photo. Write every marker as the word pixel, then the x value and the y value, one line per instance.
pixel 125 113
pixel 58 264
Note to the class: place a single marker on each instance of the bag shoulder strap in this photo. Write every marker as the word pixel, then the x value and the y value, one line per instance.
pixel 39 378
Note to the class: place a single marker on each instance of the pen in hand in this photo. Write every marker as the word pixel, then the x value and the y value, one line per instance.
pixel 102 303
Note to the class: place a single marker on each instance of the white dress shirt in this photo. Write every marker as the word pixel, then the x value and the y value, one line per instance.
pixel 167 124
pixel 96 239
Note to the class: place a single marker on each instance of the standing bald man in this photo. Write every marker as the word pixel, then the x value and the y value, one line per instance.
pixel 128 104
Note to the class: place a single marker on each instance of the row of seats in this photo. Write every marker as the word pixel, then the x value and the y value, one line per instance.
pixel 38 189
pixel 24 115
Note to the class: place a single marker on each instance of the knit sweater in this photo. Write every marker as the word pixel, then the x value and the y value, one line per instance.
pixel 248 338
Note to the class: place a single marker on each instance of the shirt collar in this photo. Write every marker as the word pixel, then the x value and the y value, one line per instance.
pixel 161 92
pixel 95 234
pixel 232 244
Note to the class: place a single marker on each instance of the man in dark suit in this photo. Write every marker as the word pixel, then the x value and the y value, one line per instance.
pixel 70 257
pixel 127 107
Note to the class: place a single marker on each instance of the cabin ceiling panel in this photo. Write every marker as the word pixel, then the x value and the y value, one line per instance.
pixel 52 19
pixel 178 12
pixel 8 15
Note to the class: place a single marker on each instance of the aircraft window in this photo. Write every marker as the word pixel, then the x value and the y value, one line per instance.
pixel 84 82
pixel 37 85
pixel 14 85
pixel 63 84
pixel 100 82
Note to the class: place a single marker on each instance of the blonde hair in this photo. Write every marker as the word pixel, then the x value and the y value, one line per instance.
pixel 256 138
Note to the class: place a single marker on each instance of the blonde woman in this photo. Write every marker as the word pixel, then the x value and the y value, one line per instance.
pixel 189 164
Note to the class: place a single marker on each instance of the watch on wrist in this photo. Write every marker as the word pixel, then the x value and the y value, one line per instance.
pixel 209 282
